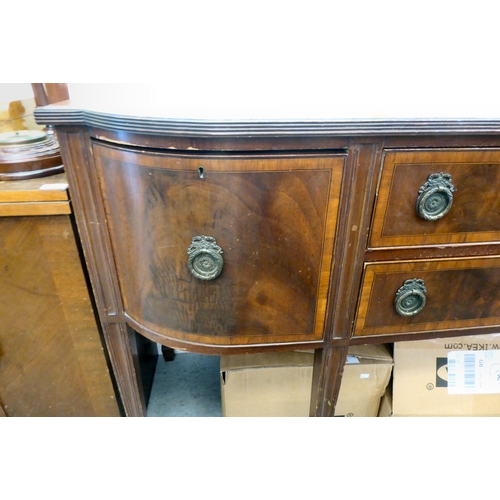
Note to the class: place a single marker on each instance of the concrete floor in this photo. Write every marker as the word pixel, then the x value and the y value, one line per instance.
pixel 188 386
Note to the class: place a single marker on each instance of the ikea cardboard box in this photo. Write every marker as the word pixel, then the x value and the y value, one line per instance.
pixel 457 376
pixel 279 384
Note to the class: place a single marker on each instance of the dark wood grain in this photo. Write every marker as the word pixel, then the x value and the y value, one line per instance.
pixel 355 215
pixel 146 201
pixel 274 218
pixel 439 141
pixel 461 293
pixel 432 252
pixel 389 338
pixel 77 154
pixel 328 369
pixel 219 143
pixel 474 216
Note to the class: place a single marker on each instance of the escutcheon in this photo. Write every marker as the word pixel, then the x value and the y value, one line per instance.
pixel 205 258
pixel 435 197
pixel 410 298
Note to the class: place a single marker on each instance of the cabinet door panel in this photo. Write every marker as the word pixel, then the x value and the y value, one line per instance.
pixel 273 217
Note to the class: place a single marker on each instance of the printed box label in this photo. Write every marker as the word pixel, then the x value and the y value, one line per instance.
pixel 474 372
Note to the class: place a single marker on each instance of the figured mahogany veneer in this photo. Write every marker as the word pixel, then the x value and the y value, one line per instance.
pixel 461 294
pixel 475 213
pixel 274 217
pixel 317 224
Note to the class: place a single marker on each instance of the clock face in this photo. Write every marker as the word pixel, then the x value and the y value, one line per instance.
pixel 20 137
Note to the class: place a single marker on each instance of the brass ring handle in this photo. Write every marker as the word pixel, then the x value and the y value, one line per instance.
pixel 205 258
pixel 410 298
pixel 435 197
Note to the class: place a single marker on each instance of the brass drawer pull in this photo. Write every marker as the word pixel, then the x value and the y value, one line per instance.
pixel 205 258
pixel 435 197
pixel 410 298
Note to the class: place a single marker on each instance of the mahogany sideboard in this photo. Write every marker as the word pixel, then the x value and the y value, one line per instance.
pixel 238 236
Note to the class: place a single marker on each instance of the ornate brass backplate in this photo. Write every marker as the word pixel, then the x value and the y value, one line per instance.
pixel 435 197
pixel 205 258
pixel 410 298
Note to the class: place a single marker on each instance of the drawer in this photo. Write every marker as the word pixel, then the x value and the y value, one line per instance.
pixel 465 211
pixel 222 250
pixel 456 294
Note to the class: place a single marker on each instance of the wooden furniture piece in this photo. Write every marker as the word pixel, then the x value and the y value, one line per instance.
pixel 26 151
pixel 233 236
pixel 48 93
pixel 52 361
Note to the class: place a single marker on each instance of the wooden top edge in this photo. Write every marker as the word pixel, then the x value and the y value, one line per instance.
pixel 40 189
pixel 65 114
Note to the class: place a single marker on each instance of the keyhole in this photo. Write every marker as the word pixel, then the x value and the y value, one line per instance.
pixel 201 172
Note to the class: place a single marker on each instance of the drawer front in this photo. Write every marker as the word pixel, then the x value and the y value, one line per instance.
pixel 461 208
pixel 272 221
pixel 455 294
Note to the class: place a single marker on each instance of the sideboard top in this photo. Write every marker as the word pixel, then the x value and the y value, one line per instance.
pixel 151 109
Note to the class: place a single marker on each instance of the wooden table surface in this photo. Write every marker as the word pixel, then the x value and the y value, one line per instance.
pixel 40 196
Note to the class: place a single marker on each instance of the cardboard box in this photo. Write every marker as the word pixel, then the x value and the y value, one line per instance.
pixel 279 384
pixel 385 409
pixel 427 383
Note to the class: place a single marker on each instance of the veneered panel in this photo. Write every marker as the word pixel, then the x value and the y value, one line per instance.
pixel 461 293
pixel 475 213
pixel 273 217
